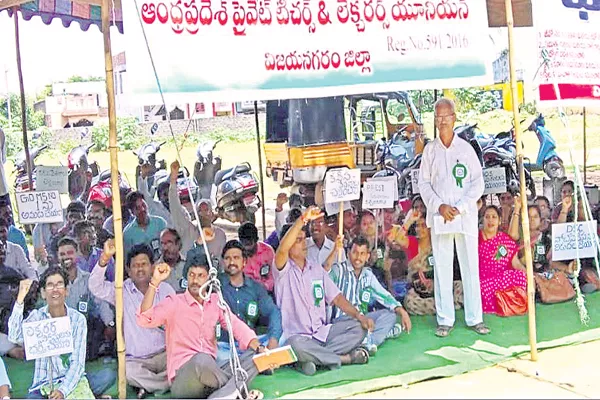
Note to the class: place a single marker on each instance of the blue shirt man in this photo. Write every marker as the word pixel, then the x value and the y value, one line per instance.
pixel 144 228
pixel 247 299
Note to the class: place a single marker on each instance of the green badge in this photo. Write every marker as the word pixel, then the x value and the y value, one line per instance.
pixel 318 292
pixel 459 172
pixel 501 253
pixel 252 310
pixel 540 252
pixel 430 261
pixel 218 330
pixel 365 300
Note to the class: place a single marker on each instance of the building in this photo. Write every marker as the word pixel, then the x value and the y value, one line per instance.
pixel 75 104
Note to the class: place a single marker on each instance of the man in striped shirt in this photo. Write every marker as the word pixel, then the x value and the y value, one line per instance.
pixel 362 289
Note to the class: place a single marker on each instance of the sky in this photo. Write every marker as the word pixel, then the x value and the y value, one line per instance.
pixel 51 53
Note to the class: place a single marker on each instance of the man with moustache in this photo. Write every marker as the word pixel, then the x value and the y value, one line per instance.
pixel 319 246
pixel 247 299
pixel 190 320
pixel 450 183
pixel 146 359
pixel 170 247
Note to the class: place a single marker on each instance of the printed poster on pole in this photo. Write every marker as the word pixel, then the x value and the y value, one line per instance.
pixel 277 49
pixel 569 39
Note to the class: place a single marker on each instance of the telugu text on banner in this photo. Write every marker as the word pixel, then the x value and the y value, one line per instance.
pixel 224 50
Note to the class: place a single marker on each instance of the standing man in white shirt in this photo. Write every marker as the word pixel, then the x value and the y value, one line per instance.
pixel 451 182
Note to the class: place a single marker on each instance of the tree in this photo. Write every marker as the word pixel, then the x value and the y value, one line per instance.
pixel 77 78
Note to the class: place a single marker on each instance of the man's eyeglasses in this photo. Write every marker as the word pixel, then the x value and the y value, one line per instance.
pixel 444 117
pixel 52 286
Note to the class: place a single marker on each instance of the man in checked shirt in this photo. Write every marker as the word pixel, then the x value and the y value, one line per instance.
pixel 68 370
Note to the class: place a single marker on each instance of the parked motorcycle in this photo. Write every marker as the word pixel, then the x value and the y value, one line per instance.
pixel 21 178
pixel 206 168
pixel 81 172
pixel 146 155
pixel 547 159
pixel 397 158
pixel 101 188
pixel 237 193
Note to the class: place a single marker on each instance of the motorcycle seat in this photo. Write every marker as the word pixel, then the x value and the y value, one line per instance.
pixel 225 174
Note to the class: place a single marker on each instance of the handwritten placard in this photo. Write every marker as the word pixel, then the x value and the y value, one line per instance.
pixel 495 180
pixel 52 178
pixel 49 337
pixel 334 208
pixel 574 240
pixel 39 207
pixel 342 184
pixel 414 177
pixel 379 193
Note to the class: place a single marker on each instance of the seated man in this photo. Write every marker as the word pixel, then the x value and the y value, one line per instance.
pixel 75 212
pixel 14 256
pixel 89 253
pixel 190 321
pixel 68 371
pixel 146 359
pixel 97 213
pixel 303 290
pixel 170 248
pixel 4 382
pixel 100 317
pixel 360 286
pixel 144 228
pixel 247 299
pixel 258 256
pixel 15 235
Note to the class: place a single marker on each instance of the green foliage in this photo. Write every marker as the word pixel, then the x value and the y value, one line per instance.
pixel 474 99
pixel 77 78
pixel 427 99
pixel 34 119
pixel 129 135
pixel 528 108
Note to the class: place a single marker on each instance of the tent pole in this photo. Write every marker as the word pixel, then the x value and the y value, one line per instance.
pixel 116 195
pixel 260 172
pixel 524 214
pixel 23 104
pixel 584 146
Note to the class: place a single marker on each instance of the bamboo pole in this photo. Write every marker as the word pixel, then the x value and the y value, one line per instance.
pixel 116 196
pixel 524 214
pixel 260 173
pixel 584 146
pixel 23 105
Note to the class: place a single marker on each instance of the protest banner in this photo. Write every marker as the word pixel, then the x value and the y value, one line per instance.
pixel 495 180
pixel 574 240
pixel 48 337
pixel 269 50
pixel 52 178
pixel 568 36
pixel 380 193
pixel 342 184
pixel 39 207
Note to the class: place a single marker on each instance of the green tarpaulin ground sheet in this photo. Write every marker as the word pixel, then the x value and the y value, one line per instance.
pixel 410 358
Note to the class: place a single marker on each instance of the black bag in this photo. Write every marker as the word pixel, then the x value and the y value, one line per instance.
pixel 9 289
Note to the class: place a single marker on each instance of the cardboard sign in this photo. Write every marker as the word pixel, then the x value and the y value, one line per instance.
pixel 334 208
pixel 49 337
pixel 39 207
pixel 495 180
pixel 414 174
pixel 342 184
pixel 379 193
pixel 52 178
pixel 564 240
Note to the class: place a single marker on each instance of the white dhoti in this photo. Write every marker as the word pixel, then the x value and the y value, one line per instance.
pixel 468 258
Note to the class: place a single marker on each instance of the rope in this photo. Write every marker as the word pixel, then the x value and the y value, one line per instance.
pixel 212 285
pixel 580 300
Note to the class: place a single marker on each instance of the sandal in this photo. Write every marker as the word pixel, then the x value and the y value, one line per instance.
pixel 481 329
pixel 443 330
pixel 255 395
pixel 359 355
